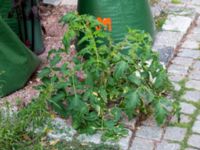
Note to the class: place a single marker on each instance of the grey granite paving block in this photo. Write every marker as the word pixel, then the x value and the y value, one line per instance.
pixel 190 149
pixel 196 30
pixel 84 138
pixel 61 131
pixel 189 53
pixel 193 84
pixel 180 9
pixel 151 133
pixel 196 127
pixel 194 140
pixel 168 39
pixel 182 61
pixel 177 23
pixel 175 133
pixel 196 65
pixel 142 144
pixel 183 119
pixel 194 75
pixel 177 69
pixel 193 96
pixel 195 2
pixel 194 36
pixel 190 44
pixel 165 53
pixel 187 108
pixel 164 145
pixel 52 2
pixel 69 2
pixel 176 77
pixel 124 142
pixel 198 117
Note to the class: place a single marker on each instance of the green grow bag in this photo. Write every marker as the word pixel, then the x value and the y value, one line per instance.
pixel 5 8
pixel 119 15
pixel 17 63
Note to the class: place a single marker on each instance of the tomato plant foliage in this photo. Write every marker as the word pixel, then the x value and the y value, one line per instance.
pixel 98 85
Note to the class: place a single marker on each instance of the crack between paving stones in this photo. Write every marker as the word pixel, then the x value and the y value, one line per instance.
pixel 137 123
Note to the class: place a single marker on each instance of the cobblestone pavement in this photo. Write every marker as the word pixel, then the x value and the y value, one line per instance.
pixel 179 46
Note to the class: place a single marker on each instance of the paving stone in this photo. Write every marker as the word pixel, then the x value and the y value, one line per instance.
pixel 180 9
pixel 151 133
pixel 194 36
pixel 194 75
pixel 193 84
pixel 175 133
pixel 142 144
pixel 176 77
pixel 164 145
pixel 177 69
pixel 196 127
pixel 196 30
pixel 190 149
pixel 195 2
pixel 177 23
pixel 165 53
pixel 182 61
pixel 69 2
pixel 189 53
pixel 168 39
pixel 183 119
pixel 95 138
pixel 187 108
pixel 198 117
pixel 61 131
pixel 124 142
pixel 192 96
pixel 194 140
pixel 190 44
pixel 196 65
pixel 52 2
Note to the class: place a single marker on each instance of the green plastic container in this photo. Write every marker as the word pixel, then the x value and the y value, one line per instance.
pixel 17 63
pixel 119 15
pixel 5 7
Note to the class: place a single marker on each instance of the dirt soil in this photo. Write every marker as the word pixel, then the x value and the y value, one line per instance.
pixel 50 17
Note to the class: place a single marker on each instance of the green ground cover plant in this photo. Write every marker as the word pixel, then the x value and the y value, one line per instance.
pixel 101 85
pixel 17 128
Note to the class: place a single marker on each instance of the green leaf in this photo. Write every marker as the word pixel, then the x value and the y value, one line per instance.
pixel 56 59
pixel 44 72
pixel 117 114
pixel 160 111
pixel 146 95
pixel 103 94
pixel 120 69
pixel 132 101
pixel 134 79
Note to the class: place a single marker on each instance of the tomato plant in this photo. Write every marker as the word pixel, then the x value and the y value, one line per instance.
pixel 99 84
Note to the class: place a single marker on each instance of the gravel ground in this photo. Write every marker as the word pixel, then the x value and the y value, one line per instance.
pixel 52 40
